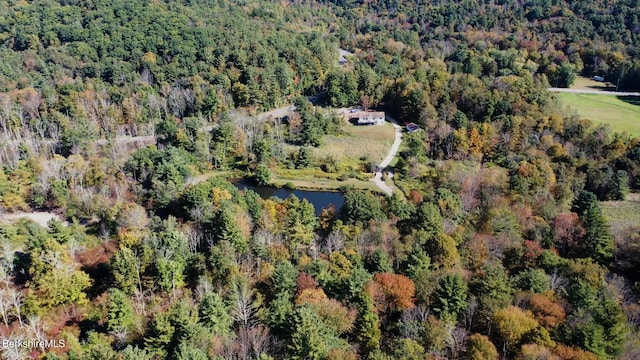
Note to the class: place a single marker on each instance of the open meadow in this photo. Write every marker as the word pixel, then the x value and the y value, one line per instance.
pixel 348 156
pixel 623 214
pixel 370 142
pixel 621 113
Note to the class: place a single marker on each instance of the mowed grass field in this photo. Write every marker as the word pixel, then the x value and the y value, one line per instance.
pixel 622 114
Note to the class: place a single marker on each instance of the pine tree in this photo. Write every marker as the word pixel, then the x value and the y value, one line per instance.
pixel 598 242
pixel 451 297
pixel 367 326
pixel 214 314
pixel 120 313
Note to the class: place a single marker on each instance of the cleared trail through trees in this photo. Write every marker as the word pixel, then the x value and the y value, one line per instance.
pixel 41 218
pixel 377 179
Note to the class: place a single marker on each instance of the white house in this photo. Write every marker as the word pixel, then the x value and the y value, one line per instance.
pixel 368 117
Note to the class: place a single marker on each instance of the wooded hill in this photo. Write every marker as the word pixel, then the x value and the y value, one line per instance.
pixel 494 246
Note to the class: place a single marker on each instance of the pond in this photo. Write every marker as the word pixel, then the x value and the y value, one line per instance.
pixel 319 199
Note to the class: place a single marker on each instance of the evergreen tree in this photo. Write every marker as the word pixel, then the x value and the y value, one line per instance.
pixel 367 326
pixel 598 242
pixel 120 312
pixel 361 206
pixel 263 175
pixel 310 338
pixel 214 314
pixel 451 297
pixel 304 158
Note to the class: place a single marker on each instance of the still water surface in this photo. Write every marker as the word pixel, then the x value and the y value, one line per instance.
pixel 319 199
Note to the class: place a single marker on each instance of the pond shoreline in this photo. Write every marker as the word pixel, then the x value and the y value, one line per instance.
pixel 320 199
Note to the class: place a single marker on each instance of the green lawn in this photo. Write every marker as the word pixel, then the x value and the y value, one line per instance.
pixel 622 114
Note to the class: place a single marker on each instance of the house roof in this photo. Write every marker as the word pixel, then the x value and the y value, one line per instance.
pixel 411 127
pixel 367 114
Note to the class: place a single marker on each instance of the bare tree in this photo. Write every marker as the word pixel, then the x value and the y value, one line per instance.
pixel 15 296
pixel 37 330
pixel 196 238
pixel 252 342
pixel 558 281
pixel 54 131
pixel 243 310
pixel 74 246
pixel 204 287
pixel 5 306
pixel 15 352
pixel 157 106
pixel 468 315
pixel 120 336
pixel 456 342
pixel 333 242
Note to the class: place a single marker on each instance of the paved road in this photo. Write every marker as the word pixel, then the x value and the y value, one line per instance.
pixel 377 179
pixel 596 92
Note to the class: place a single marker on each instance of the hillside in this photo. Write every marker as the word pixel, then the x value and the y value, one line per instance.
pixel 508 235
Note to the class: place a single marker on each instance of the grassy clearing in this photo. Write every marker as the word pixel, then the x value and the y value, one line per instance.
pixel 325 184
pixel 623 214
pixel 370 142
pixel 621 113
pixel 227 174
pixel 586 83
pixel 347 155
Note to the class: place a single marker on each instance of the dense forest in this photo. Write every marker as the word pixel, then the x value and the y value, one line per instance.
pixel 113 114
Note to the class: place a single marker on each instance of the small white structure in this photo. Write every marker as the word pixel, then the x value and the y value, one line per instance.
pixel 368 117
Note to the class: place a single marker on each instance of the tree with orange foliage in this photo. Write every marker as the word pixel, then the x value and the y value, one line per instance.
pixel 333 314
pixel 573 353
pixel 545 311
pixel 391 292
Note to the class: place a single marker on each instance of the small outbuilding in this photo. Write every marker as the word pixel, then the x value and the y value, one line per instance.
pixel 411 127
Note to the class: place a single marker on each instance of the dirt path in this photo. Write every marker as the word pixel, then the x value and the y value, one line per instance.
pixel 41 218
pixel 377 179
pixel 596 92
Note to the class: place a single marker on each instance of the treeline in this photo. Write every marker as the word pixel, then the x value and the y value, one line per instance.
pixel 495 244
pixel 74 72
pixel 591 37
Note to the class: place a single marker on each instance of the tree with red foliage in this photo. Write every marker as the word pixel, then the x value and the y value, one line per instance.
pixel 531 252
pixel 391 292
pixel 415 197
pixel 568 230
pixel 305 281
